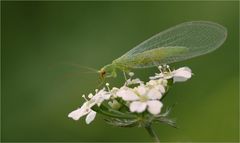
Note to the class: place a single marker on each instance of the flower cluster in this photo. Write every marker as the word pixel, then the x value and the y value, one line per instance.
pixel 134 99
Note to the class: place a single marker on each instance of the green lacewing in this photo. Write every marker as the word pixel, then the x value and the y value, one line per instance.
pixel 178 43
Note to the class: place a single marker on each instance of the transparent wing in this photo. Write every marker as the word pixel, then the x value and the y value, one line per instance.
pixel 196 38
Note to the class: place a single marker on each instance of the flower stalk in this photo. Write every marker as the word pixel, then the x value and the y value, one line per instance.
pixel 152 133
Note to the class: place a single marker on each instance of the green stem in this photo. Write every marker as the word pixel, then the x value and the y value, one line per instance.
pixel 123 115
pixel 152 133
pixel 112 113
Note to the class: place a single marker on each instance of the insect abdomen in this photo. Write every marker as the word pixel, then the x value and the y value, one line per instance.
pixel 151 57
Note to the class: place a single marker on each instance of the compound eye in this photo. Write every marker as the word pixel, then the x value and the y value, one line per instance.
pixel 103 73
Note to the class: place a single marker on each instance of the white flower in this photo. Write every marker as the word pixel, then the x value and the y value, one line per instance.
pixel 134 81
pixel 113 92
pixel 179 75
pixel 97 99
pixel 158 84
pixel 84 110
pixel 142 97
pixel 100 96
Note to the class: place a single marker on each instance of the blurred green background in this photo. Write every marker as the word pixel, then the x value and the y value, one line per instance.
pixel 44 42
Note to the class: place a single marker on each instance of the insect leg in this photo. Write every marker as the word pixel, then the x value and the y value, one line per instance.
pixel 124 74
pixel 101 81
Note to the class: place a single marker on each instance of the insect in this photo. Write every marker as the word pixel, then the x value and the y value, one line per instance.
pixel 181 42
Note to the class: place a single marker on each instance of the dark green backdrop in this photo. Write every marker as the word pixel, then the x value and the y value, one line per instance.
pixel 44 42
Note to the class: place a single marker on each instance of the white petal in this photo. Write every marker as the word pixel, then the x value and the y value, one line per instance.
pixel 77 114
pixel 154 106
pixel 152 82
pixel 182 74
pixel 141 90
pixel 106 96
pixel 154 94
pixel 90 103
pixel 164 82
pixel 90 117
pixel 114 90
pixel 137 81
pixel 121 92
pixel 101 96
pixel 160 88
pixel 154 77
pixel 138 106
pixel 179 79
pixel 133 81
pixel 127 94
pixel 185 69
pixel 97 98
pixel 130 96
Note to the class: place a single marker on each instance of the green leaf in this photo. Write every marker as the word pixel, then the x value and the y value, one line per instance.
pixel 122 122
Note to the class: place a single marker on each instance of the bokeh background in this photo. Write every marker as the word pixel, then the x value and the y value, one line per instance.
pixel 45 43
